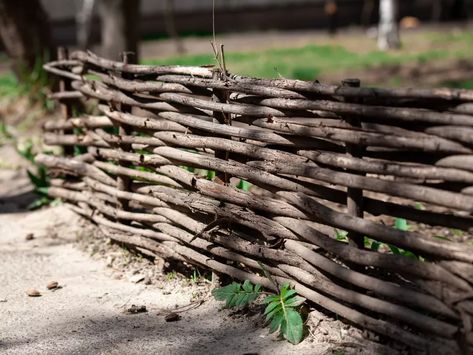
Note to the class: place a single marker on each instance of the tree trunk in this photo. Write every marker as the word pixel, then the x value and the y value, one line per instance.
pixel 119 28
pixel 171 29
pixel 25 32
pixel 436 10
pixel 388 30
pixel 84 19
pixel 367 12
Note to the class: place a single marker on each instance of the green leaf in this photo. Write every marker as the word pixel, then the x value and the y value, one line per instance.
pixel 401 224
pixel 56 202
pixel 288 294
pixel 43 190
pixel 269 299
pixel 271 306
pixel 243 185
pixel 282 313
pixel 237 295
pixel 295 301
pixel 40 202
pixel 36 181
pixel 224 293
pixel 419 206
pixel 341 235
pixel 210 175
pixel 247 286
pixel 409 254
pixel 294 327
pixel 278 318
pixel 394 249
pixel 375 245
pixel 270 315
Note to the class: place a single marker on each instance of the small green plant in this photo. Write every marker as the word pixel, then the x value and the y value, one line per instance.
pixel 195 277
pixel 39 179
pixel 419 206
pixel 401 224
pixel 210 175
pixel 457 232
pixel 283 314
pixel 171 276
pixel 4 132
pixel 374 245
pixel 282 309
pixel 243 185
pixel 236 294
pixel 341 235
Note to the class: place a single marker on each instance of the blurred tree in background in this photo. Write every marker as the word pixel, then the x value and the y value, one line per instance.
pixel 388 29
pixel 119 20
pixel 84 19
pixel 26 35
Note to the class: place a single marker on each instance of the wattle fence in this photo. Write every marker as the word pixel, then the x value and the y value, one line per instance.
pixel 297 179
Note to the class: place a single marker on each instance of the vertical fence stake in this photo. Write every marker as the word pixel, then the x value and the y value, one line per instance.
pixel 219 95
pixel 123 182
pixel 354 195
pixel 66 107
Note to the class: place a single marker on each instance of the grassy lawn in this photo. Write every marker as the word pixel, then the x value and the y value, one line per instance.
pixel 306 63
pixel 342 54
pixel 9 85
pixel 309 62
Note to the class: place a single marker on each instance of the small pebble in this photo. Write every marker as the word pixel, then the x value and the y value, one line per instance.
pixel 136 309
pixel 52 285
pixel 29 236
pixel 32 292
pixel 137 278
pixel 172 317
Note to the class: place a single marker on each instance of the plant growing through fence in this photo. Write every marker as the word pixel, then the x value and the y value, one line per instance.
pixel 282 309
pixel 39 179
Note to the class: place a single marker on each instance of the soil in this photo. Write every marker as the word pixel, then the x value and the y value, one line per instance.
pixel 112 301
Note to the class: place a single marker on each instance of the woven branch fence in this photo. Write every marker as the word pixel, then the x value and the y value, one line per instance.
pixel 236 174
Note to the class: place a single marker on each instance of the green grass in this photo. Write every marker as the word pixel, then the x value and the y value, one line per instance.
pixel 466 84
pixel 9 85
pixel 308 62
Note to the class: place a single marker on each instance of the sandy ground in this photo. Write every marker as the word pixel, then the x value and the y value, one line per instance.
pixel 87 315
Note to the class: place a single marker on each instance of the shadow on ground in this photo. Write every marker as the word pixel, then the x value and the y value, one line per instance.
pixel 149 333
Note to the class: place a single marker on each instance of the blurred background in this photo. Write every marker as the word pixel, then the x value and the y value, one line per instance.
pixel 383 42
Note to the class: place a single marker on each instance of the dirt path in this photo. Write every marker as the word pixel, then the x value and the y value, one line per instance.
pixel 87 314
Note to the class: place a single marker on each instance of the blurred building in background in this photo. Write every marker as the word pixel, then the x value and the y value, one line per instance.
pixel 195 16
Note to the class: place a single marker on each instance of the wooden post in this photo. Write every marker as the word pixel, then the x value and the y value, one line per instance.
pixel 220 95
pixel 223 118
pixel 123 182
pixel 66 107
pixel 354 195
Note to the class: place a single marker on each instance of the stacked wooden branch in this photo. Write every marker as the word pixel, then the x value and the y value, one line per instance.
pixel 171 148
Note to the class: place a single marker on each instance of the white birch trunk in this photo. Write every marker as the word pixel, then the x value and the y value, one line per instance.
pixel 84 23
pixel 388 30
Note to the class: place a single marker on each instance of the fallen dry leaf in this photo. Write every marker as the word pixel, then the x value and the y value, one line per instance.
pixel 32 292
